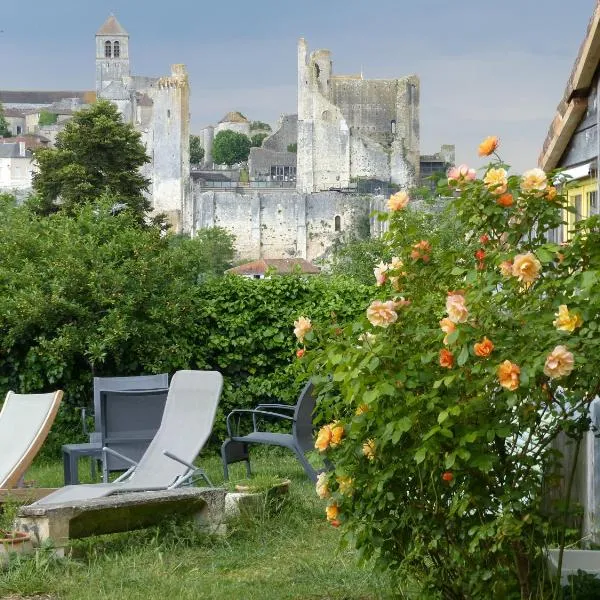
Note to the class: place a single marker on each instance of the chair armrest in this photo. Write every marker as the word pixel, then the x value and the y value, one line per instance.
pixel 281 406
pixel 119 455
pixel 254 412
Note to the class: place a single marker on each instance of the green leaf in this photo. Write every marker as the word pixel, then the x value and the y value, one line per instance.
pixel 442 417
pixel 463 356
pixel 420 455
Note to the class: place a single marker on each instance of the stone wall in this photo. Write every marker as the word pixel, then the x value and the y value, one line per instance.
pixel 282 223
pixel 285 135
pixel 261 160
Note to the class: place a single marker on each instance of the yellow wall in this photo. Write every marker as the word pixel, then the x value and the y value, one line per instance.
pixel 579 193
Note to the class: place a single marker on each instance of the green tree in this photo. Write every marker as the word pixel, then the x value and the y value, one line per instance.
pixel 259 126
pixel 230 147
pixel 4 131
pixel 196 150
pixel 257 139
pixel 96 154
pixel 214 248
pixel 293 148
pixel 47 118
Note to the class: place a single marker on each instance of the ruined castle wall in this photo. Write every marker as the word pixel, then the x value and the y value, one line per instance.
pixel 286 134
pixel 171 151
pixel 368 159
pixel 283 224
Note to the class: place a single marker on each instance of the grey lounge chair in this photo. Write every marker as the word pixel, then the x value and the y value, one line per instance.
pixel 167 463
pixel 300 441
pixel 25 421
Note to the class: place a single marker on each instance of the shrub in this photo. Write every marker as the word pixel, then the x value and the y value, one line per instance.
pixel 441 404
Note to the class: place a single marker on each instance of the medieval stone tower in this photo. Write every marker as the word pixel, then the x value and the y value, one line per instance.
pixel 350 127
pixel 158 107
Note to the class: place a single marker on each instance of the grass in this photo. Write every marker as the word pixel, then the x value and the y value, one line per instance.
pixel 291 554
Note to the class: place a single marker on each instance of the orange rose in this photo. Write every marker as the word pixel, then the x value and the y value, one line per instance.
pixel 526 267
pixel 496 181
pixel 323 438
pixel 505 200
pixel 337 433
pixel 560 363
pixel 483 348
pixel 551 193
pixel 333 512
pixel 398 201
pixel 566 321
pixel 368 449
pixel 506 268
pixel 448 327
pixel 508 374
pixel 488 146
pixel 446 358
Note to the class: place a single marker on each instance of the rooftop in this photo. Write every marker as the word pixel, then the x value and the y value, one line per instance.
pixel 111 27
pixel 44 97
pixel 282 266
pixel 234 117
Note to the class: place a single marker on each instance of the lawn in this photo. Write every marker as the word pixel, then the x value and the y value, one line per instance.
pixel 291 553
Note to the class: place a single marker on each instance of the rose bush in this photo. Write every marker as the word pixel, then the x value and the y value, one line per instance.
pixel 451 395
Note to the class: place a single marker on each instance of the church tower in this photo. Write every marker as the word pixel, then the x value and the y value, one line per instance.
pixel 112 57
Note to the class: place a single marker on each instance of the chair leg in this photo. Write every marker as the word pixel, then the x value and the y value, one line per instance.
pixel 224 459
pixel 308 468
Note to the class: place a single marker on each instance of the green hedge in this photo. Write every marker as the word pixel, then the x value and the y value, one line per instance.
pixel 96 295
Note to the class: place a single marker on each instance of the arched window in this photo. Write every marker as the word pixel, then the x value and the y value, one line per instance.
pixel 337 223
pixel 317 70
pixel 393 124
pixel 116 50
pixel 107 50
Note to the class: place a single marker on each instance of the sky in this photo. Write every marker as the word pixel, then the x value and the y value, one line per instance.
pixel 486 67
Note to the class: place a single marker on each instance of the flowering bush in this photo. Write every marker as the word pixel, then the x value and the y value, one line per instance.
pixel 468 363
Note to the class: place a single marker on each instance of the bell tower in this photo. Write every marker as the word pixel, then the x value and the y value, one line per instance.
pixel 112 54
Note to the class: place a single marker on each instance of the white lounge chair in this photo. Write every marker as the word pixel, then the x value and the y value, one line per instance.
pixel 167 463
pixel 25 421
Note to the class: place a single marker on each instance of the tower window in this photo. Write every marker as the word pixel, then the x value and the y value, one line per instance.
pixel 393 125
pixel 107 49
pixel 337 223
pixel 116 50
pixel 168 113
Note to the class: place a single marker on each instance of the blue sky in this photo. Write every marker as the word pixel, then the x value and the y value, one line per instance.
pixel 485 67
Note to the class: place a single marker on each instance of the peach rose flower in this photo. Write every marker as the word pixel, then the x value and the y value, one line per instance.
pixel 396 263
pixel 345 485
pixel 489 145
pixel 484 348
pixel 560 363
pixel 456 309
pixel 551 193
pixel 398 201
pixel 506 267
pixel 534 181
pixel 448 327
pixel 380 272
pixel 508 374
pixel 333 512
pixel 496 181
pixel 301 327
pixel 461 174
pixel 337 433
pixel 526 267
pixel 368 449
pixel 446 359
pixel 323 438
pixel 566 321
pixel 322 486
pixel 382 314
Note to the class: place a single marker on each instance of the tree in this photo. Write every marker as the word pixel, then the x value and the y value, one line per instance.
pixel 196 150
pixel 47 118
pixel 4 130
pixel 257 139
pixel 96 154
pixel 259 126
pixel 230 147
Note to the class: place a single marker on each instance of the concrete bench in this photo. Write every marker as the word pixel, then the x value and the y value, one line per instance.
pixel 120 512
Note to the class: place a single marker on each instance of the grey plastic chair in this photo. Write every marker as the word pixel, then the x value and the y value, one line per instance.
pixel 25 421
pixel 125 423
pixel 300 441
pixel 168 462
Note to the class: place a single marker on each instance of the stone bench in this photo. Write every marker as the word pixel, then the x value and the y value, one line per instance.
pixel 120 512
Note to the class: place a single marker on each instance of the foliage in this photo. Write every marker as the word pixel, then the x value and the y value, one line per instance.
pixel 96 154
pixel 257 139
pixel 230 147
pixel 95 294
pixel 582 586
pixel 4 130
pixel 196 150
pixel 47 118
pixel 441 442
pixel 259 126
pixel 293 147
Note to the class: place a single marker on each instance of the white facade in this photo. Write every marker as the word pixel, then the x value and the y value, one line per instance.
pixel 16 167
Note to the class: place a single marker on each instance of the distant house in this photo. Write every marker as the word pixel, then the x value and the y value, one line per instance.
pixel 16 167
pixel 258 269
pixel 572 140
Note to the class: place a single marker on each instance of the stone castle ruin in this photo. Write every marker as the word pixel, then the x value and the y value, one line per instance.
pixel 350 127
